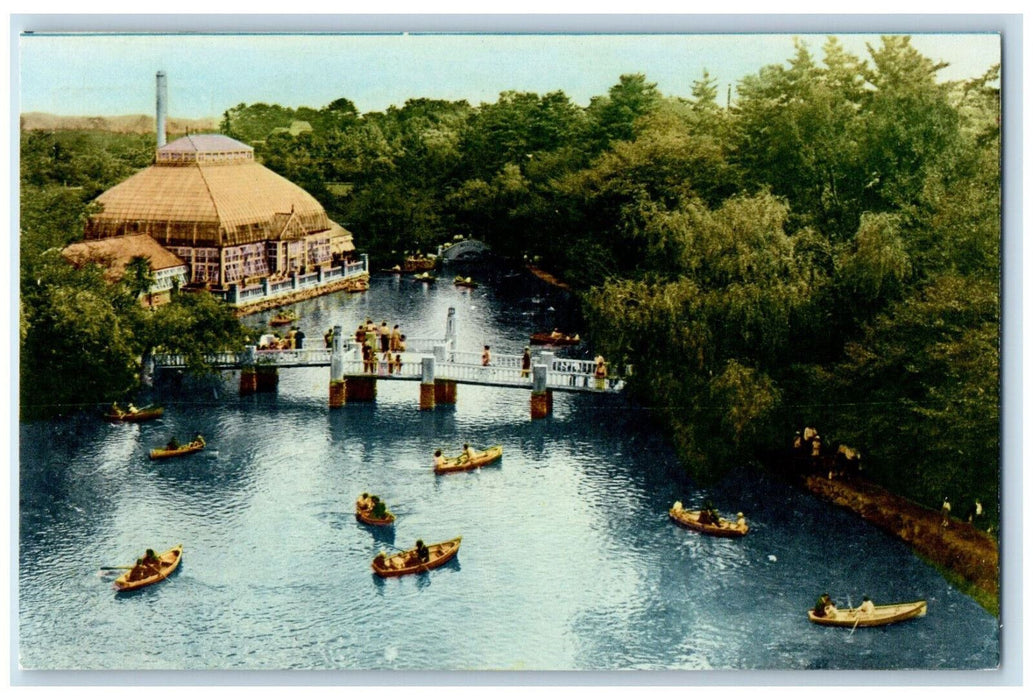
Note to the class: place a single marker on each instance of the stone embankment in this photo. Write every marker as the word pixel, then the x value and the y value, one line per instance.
pixel 968 552
pixel 351 284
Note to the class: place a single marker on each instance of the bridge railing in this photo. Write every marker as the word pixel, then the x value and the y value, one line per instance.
pixel 305 356
pixel 422 344
pixel 215 359
pixel 475 372
pixel 464 357
pixel 413 369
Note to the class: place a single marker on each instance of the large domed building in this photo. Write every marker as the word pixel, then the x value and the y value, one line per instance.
pixel 230 219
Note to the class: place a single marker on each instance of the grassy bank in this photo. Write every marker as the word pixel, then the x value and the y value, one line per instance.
pixel 966 556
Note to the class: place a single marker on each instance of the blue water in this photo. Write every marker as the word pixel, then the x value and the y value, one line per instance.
pixel 568 559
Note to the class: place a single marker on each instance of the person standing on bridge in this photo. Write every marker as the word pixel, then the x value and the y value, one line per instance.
pixel 385 337
pixel 600 372
pixel 486 356
pixel 525 363
pixel 371 334
pixel 396 338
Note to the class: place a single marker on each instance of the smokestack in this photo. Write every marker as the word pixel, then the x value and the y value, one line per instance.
pixel 163 98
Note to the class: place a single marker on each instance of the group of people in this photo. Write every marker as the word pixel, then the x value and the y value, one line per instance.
pixel 117 410
pixel 380 337
pixel 390 362
pixel 145 567
pixel 372 504
pixel 294 339
pixel 173 443
pixel 972 515
pixel 709 515
pixel 808 444
pixel 466 455
pixel 420 554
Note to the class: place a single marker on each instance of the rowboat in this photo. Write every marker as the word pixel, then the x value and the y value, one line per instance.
pixel 366 516
pixel 189 448
pixel 464 282
pixel 882 615
pixel 419 264
pixel 168 562
pixel 461 464
pixel 407 563
pixel 145 413
pixel 424 277
pixel 550 339
pixel 282 319
pixel 723 528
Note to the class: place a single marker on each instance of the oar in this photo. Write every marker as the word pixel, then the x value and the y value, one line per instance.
pixel 857 615
pixel 116 568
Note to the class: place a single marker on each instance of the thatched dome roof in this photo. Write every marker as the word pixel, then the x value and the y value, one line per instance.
pixel 207 190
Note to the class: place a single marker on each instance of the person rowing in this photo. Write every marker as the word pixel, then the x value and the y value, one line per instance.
pixel 421 554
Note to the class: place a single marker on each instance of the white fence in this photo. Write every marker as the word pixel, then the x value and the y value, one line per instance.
pixel 459 366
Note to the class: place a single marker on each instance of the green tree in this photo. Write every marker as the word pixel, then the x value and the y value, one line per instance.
pixel 139 277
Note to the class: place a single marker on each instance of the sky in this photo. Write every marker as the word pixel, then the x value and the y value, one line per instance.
pixel 113 74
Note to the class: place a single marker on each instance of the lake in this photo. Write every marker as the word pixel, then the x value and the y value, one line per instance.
pixel 568 561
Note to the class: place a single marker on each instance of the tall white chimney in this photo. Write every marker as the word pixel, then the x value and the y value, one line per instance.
pixel 163 98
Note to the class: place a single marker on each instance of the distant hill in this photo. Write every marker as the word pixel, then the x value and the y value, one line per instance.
pixel 126 124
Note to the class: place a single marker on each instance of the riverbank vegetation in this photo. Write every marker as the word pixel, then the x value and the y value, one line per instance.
pixel 82 337
pixel 821 247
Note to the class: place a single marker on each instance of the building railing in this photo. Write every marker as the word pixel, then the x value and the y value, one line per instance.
pixel 267 288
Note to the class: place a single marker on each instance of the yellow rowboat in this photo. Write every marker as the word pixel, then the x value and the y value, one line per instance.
pixel 194 446
pixel 408 563
pixel 167 563
pixel 723 528
pixel 462 464
pixel 881 615
pixel 365 515
pixel 145 413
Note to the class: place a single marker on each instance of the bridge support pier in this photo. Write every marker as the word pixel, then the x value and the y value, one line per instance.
pixel 427 402
pixel 338 393
pixel 266 378
pixel 541 396
pixel 248 381
pixel 428 388
pixel 541 404
pixel 360 387
pixel 445 392
pixel 338 384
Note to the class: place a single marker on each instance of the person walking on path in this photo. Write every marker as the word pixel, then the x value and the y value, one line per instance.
pixel 945 511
